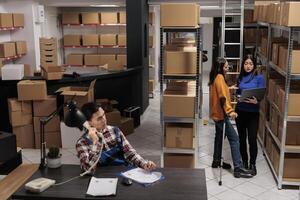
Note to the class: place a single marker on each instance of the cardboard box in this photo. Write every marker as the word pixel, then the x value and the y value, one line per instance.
pixel 179 160
pixel 82 94
pixel 184 104
pixel 32 90
pixel 295 68
pixel 122 61
pixel 274 120
pixel 27 70
pixel 250 35
pixel 179 136
pixel 122 17
pixel 291 166
pixel 108 59
pixel 293 102
pixel 21 47
pixel 23 106
pixel 291 15
pixel 90 40
pixel 127 126
pixel 275 51
pixel 51 139
pixel 180 62
pixel 248 16
pixel 91 59
pixel 122 40
pixel 48 44
pixel 44 40
pixel 6 20
pixel 24 135
pixel 292 133
pixel 72 40
pixel 108 39
pixel 7 49
pixel 52 126
pixel 109 17
pixel 151 86
pixel 18 20
pixel 179 15
pixel 70 18
pixel 75 59
pixel 19 119
pixel 269 144
pixel 44 107
pixel 180 87
pixel 52 73
pixel 90 18
pixel 113 118
pixel 12 72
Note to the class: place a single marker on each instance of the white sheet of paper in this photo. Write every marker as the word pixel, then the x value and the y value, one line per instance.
pixel 102 186
pixel 142 176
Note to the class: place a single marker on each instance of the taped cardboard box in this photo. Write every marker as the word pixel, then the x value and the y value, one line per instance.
pixel 292 133
pixel 44 107
pixel 90 40
pixel 75 59
pixel 121 61
pixel 18 20
pixel 122 17
pixel 179 136
pixel 122 40
pixel 6 20
pixel 180 62
pixel 82 94
pixel 52 73
pixel 186 15
pixel 70 18
pixel 90 18
pixel 248 16
pixel 19 119
pixel 52 126
pixel 7 49
pixel 108 39
pixel 91 59
pixel 32 90
pixel 295 68
pixel 293 102
pixel 51 139
pixel 24 136
pixel 109 17
pixel 21 47
pixel 291 15
pixel 179 160
pixel 15 105
pixel 180 87
pixel 275 51
pixel 72 40
pixel 113 118
pixel 127 125
pixel 109 59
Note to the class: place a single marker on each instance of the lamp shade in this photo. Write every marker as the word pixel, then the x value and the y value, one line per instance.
pixel 74 117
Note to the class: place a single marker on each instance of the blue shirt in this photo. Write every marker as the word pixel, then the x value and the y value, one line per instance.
pixel 258 81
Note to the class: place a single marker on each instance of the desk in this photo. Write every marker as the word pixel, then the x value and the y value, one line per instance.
pixel 187 184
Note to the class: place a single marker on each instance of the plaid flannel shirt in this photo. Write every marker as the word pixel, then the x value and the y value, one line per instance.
pixel 89 153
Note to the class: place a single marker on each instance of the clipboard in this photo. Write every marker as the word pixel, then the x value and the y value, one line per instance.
pixel 259 94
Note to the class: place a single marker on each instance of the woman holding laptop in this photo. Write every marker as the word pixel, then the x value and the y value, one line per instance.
pixel 248 111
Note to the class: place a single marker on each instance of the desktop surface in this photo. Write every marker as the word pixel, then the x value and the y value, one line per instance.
pixel 178 184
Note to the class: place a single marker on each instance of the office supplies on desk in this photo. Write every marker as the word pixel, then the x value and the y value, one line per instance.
pixel 39 185
pixel 258 93
pixel 102 186
pixel 142 176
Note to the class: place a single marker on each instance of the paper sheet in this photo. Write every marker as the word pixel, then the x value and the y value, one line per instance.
pixel 142 176
pixel 102 186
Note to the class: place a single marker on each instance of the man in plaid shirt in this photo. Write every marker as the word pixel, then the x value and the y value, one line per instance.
pixel 105 142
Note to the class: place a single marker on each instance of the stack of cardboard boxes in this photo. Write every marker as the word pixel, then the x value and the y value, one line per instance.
pixel 94 18
pixel 179 59
pixel 11 20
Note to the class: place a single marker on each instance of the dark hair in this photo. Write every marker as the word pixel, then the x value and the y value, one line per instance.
pixel 243 72
pixel 216 68
pixel 89 109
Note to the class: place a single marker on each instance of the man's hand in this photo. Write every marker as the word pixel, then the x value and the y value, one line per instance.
pixel 149 166
pixel 233 87
pixel 93 135
pixel 233 115
pixel 252 100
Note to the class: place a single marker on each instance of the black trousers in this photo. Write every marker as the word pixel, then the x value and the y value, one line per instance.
pixel 247 125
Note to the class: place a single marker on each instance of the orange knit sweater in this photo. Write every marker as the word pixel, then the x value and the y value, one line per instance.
pixel 219 89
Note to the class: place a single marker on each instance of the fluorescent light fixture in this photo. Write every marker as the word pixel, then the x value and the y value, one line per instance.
pixel 104 5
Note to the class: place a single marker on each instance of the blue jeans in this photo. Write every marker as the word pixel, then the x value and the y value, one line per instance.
pixel 233 138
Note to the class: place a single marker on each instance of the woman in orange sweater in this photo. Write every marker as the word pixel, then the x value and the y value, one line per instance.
pixel 219 93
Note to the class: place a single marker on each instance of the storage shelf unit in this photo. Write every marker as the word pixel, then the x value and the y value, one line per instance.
pixel 198 97
pixel 95 46
pixel 288 77
pixel 11 28
pixel 87 25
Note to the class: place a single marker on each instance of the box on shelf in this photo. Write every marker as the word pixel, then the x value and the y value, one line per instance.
pixel 113 118
pixel 12 72
pixel 25 136
pixel 21 47
pixel 6 20
pixel 52 73
pixel 90 40
pixel 275 51
pixel 291 16
pixel 32 90
pixel 179 160
pixel 108 39
pixel 292 132
pixel 274 120
pixel 250 35
pixel 248 16
pixel 295 68
pixel 44 107
pixel 172 15
pixel 180 62
pixel 122 17
pixel 180 87
pixel 51 139
pixel 122 40
pixel 52 126
pixel 91 59
pixel 109 60
pixel 48 61
pixel 18 20
pixel 121 61
pixel 151 86
pixel 90 18
pixel 179 136
pixel 70 18
pixel 293 102
pixel 7 49
pixel 72 40
pixel 82 94
pixel 75 59
pixel 127 126
pixel 109 17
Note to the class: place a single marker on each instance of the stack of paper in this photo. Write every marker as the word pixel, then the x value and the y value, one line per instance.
pixel 142 176
pixel 102 186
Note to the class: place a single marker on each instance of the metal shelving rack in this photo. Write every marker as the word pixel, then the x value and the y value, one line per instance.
pixel 198 98
pixel 295 149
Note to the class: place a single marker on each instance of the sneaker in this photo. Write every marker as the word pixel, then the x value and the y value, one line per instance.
pixel 253 169
pixel 216 164
pixel 240 172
